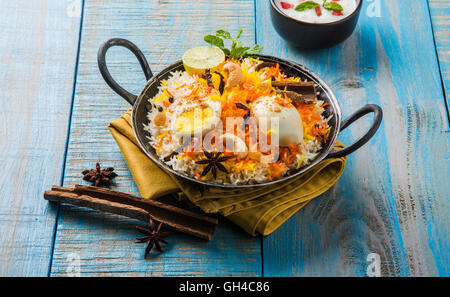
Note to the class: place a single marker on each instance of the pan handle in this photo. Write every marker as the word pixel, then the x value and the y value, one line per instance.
pixel 131 98
pixel 377 119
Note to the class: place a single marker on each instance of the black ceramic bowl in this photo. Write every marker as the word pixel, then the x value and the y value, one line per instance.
pixel 309 35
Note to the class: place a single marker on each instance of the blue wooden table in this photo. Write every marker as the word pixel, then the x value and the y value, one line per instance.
pixel 393 199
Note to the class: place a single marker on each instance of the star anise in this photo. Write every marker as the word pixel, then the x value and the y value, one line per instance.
pixel 153 236
pixel 213 162
pixel 99 176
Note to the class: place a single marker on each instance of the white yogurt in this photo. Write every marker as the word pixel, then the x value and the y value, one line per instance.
pixel 310 15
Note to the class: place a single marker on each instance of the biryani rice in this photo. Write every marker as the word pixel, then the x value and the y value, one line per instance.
pixel 180 85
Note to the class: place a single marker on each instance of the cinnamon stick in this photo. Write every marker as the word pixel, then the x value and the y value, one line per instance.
pixel 135 207
pixel 296 97
pixel 98 204
pixel 307 90
pixel 293 84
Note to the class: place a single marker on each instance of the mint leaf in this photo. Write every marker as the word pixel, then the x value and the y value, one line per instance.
pixel 306 5
pixel 254 50
pixel 224 34
pixel 239 33
pixel 214 40
pixel 238 50
pixel 235 49
pixel 236 44
pixel 333 6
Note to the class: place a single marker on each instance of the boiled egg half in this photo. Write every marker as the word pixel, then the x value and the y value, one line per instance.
pixel 290 125
pixel 190 118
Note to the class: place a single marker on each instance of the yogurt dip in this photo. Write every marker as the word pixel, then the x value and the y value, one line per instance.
pixel 318 14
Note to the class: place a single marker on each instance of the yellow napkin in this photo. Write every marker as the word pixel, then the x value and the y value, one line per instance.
pixel 257 210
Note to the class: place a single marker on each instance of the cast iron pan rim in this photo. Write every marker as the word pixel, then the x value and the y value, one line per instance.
pixel 322 155
pixel 358 8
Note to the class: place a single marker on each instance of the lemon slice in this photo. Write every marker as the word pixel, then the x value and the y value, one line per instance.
pixel 198 59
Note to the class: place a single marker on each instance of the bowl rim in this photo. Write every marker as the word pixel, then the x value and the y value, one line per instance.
pixel 357 10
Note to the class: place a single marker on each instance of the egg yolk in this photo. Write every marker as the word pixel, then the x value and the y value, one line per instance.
pixel 189 121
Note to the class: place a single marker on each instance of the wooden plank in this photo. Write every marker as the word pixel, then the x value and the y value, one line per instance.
pixel 393 197
pixel 105 243
pixel 38 51
pixel 440 17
